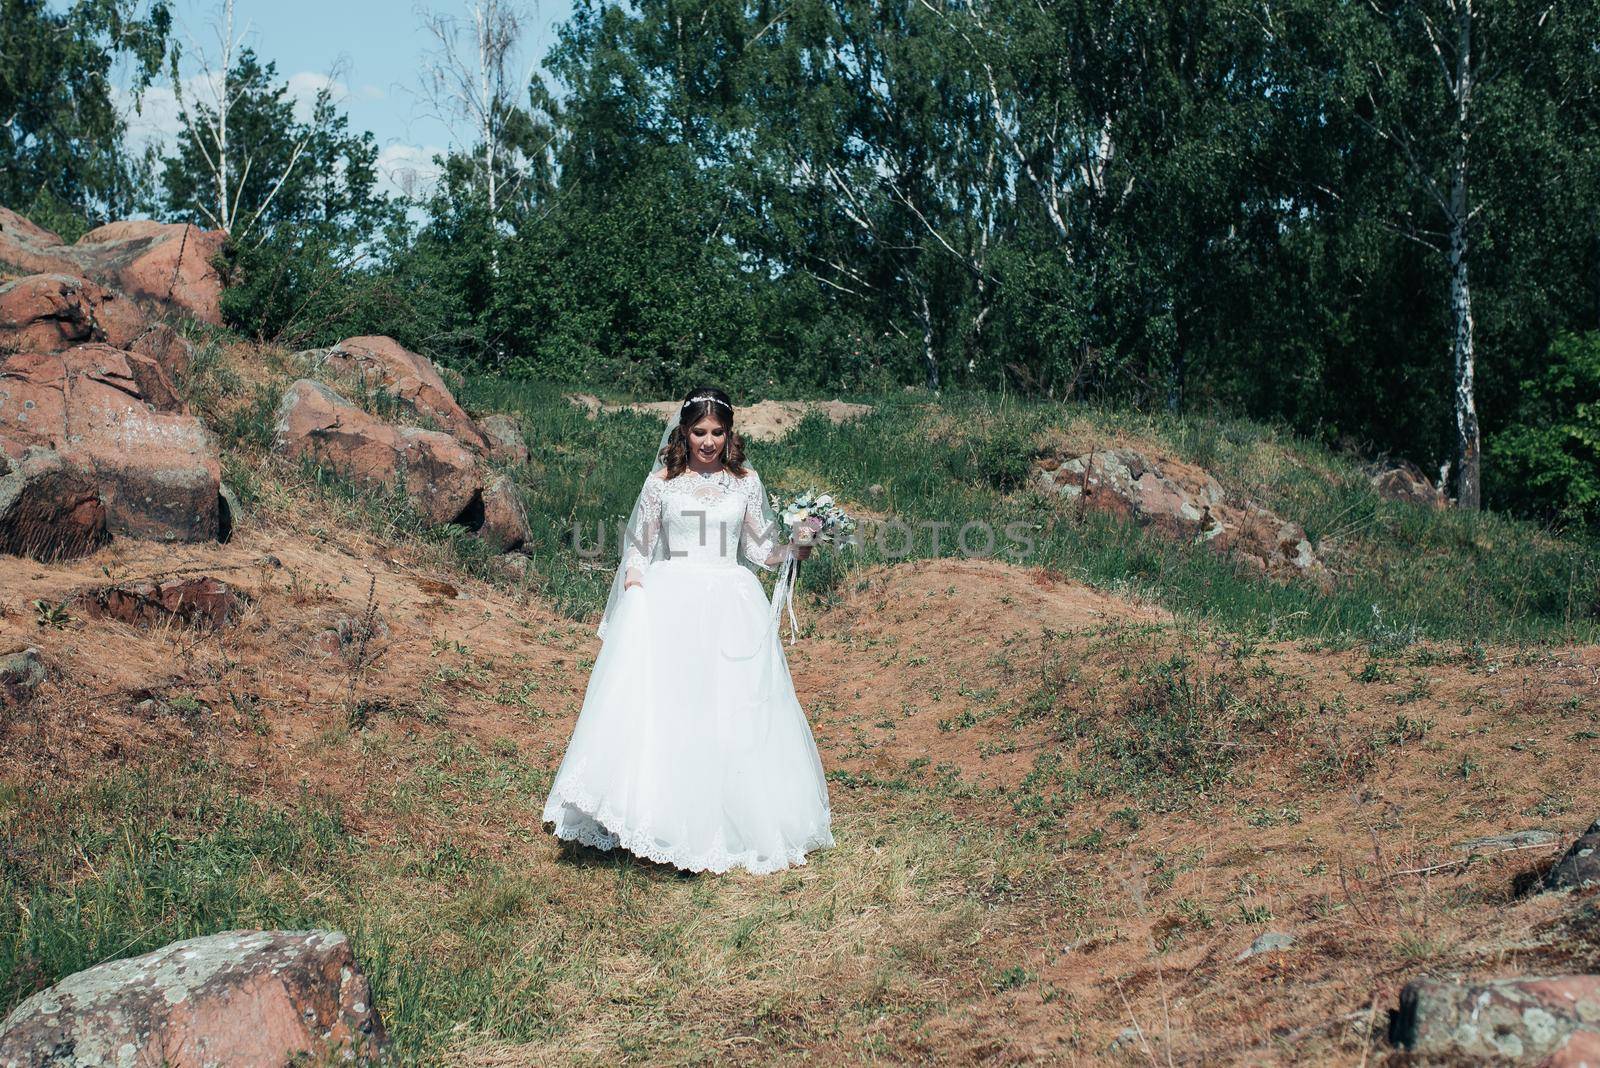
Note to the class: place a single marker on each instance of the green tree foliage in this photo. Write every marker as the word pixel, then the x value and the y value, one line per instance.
pixel 62 159
pixel 1547 459
pixel 302 205
pixel 1216 204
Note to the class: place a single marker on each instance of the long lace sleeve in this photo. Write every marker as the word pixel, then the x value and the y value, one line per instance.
pixel 640 539
pixel 759 533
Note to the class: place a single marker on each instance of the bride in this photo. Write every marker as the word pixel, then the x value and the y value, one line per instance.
pixel 691 748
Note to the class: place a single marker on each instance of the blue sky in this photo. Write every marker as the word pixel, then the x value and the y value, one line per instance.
pixel 374 50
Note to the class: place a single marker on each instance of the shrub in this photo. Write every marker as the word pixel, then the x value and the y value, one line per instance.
pixel 1548 459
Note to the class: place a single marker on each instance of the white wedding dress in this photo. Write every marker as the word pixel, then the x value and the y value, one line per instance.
pixel 691 747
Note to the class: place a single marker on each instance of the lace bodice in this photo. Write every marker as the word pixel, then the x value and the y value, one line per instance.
pixel 705 519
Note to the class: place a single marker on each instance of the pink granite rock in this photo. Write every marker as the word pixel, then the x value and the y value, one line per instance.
pixel 247 999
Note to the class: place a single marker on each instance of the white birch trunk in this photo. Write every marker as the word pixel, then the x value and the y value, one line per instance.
pixel 486 96
pixel 1468 487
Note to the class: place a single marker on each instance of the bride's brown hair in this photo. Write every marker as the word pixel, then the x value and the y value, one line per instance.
pixel 697 404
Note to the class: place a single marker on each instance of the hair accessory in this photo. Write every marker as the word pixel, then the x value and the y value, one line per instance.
pixel 708 397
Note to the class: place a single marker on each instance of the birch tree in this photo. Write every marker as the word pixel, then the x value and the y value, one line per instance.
pixel 245 177
pixel 1433 71
pixel 472 76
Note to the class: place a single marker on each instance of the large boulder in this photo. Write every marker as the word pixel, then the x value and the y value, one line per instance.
pixel 32 248
pixel 383 363
pixel 157 471
pixel 505 521
pixel 51 312
pixel 241 998
pixel 1522 1021
pixel 440 476
pixel 167 263
pixel 48 509
pixel 1181 500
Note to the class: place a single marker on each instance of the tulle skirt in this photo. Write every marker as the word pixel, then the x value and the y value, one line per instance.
pixel 691 747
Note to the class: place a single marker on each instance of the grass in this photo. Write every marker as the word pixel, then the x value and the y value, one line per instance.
pixel 468 945
pixel 1399 569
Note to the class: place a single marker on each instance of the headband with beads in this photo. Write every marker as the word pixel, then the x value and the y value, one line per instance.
pixel 707 397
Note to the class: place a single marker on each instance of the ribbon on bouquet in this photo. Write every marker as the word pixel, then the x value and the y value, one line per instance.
pixel 783 596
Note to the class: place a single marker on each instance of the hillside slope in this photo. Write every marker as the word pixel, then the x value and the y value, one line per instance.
pixel 1060 815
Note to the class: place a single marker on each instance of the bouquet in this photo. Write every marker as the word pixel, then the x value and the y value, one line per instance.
pixel 811 519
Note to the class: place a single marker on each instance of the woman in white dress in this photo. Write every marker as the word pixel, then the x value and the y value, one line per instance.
pixel 691 747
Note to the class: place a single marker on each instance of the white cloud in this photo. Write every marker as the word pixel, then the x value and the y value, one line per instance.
pixel 372 92
pixel 304 86
pixel 158 119
pixel 408 170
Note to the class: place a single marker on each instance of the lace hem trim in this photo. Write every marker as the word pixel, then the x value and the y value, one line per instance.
pixel 598 833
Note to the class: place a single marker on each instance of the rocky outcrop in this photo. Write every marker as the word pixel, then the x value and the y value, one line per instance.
pixel 1553 1021
pixel 201 601
pixel 241 998
pixel 1181 500
pixel 48 510
pixel 169 264
pixel 444 481
pixel 51 312
pixel 438 474
pixel 1579 867
pixel 383 363
pixel 506 442
pixel 31 247
pixel 111 416
pixel 56 312
pixel 1401 480
pixel 165 346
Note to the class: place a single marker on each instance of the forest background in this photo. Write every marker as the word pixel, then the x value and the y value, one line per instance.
pixel 1374 223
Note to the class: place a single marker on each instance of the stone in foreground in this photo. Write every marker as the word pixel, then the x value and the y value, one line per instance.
pixel 438 473
pixel 20 675
pixel 107 413
pixel 48 511
pixel 383 363
pixel 1548 1021
pixel 1580 866
pixel 247 999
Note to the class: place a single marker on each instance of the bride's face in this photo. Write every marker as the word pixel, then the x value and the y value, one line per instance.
pixel 706 439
